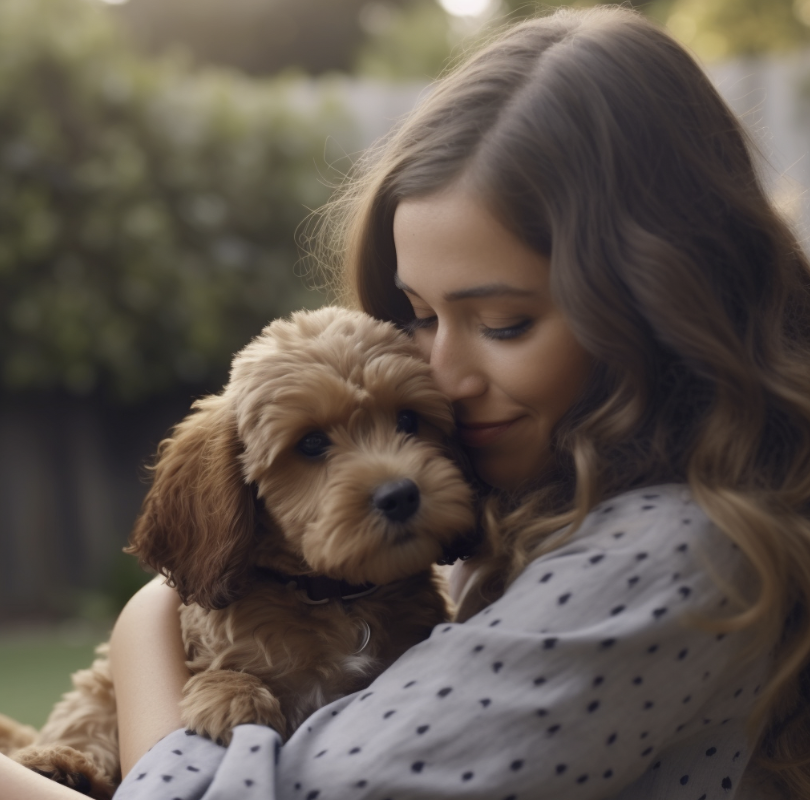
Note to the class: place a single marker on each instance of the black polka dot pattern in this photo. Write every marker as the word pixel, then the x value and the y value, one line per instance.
pixel 585 678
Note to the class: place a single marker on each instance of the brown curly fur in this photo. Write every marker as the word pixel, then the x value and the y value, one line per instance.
pixel 232 492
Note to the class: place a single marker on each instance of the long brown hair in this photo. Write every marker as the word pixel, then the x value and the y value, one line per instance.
pixel 597 140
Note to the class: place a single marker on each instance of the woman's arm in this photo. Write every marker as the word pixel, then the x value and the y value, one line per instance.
pixel 587 677
pixel 149 671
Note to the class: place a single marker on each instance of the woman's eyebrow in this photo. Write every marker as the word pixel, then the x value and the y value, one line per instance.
pixel 497 289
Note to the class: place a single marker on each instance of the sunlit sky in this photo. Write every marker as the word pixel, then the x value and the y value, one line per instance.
pixel 465 8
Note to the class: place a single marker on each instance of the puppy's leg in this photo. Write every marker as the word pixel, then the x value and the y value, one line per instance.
pixel 81 733
pixel 14 735
pixel 69 767
pixel 216 701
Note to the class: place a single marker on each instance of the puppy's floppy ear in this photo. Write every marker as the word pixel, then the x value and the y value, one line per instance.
pixel 196 526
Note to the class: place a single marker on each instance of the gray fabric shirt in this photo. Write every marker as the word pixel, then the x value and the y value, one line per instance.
pixel 588 679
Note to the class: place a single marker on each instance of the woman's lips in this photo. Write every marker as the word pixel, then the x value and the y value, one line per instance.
pixel 481 434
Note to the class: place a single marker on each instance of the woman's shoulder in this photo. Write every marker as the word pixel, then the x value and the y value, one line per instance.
pixel 654 523
pixel 641 557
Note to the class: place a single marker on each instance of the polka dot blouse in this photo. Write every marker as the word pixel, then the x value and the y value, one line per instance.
pixel 587 679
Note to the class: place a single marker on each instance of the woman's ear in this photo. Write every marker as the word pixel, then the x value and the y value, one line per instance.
pixel 196 525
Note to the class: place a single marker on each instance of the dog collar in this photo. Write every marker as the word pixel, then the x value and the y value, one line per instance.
pixel 318 589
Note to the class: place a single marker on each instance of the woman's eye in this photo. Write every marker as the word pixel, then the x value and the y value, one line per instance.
pixel 419 323
pixel 407 422
pixel 510 332
pixel 314 444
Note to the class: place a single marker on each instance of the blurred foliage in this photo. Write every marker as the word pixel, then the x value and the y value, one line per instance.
pixel 714 28
pixel 419 40
pixel 147 211
pixel 413 39
pixel 717 29
pixel 148 207
pixel 258 36
pixel 412 43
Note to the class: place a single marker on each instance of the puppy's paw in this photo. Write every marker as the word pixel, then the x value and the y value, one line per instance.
pixel 69 767
pixel 215 702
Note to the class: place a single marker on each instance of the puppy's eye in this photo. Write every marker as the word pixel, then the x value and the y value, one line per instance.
pixel 314 444
pixel 407 422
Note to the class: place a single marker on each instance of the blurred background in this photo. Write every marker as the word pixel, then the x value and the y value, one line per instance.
pixel 157 159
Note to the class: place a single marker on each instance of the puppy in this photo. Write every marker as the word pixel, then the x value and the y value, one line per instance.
pixel 297 514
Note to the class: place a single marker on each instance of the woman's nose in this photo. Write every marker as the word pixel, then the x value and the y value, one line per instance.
pixel 456 370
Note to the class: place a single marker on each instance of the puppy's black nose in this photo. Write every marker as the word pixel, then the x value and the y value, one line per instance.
pixel 398 500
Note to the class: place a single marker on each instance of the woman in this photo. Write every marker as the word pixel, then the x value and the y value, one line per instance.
pixel 572 230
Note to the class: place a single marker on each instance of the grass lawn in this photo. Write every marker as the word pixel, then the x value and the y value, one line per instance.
pixel 36 664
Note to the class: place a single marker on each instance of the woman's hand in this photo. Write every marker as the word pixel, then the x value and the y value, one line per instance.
pixel 149 671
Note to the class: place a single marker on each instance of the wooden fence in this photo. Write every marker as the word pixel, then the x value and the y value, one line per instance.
pixel 71 482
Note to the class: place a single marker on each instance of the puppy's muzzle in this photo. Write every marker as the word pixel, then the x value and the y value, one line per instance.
pixel 398 500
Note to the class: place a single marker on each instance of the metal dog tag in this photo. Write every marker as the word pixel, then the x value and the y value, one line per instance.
pixel 366 637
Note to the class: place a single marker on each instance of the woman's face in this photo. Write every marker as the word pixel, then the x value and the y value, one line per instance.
pixel 485 321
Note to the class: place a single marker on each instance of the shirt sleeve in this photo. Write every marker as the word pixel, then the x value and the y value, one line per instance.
pixel 570 686
pixel 184 766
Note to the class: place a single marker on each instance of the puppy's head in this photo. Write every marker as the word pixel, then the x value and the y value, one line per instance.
pixel 332 419
pixel 346 439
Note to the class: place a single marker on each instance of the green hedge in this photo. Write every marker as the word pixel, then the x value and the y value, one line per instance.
pixel 147 211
